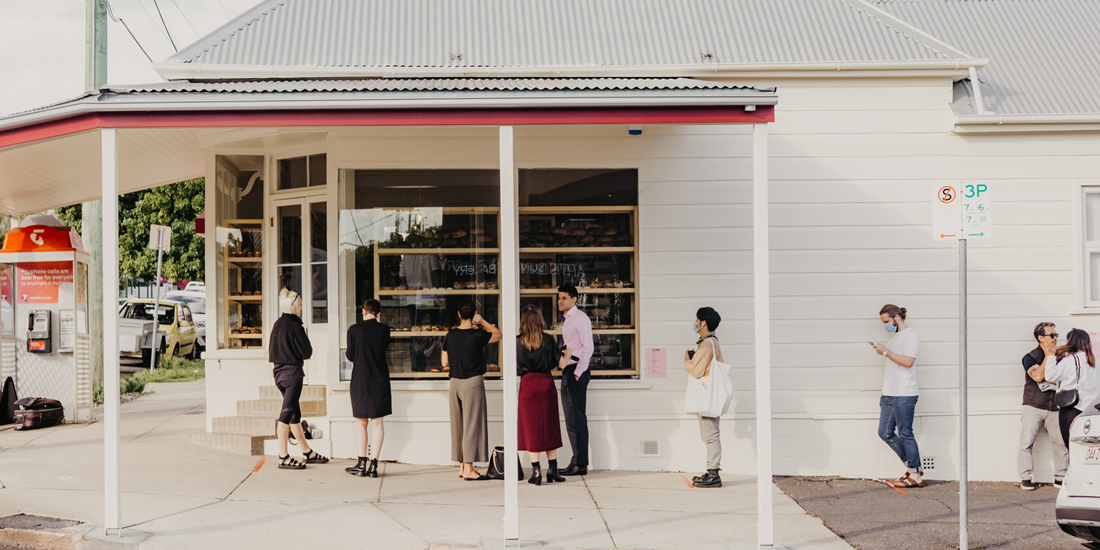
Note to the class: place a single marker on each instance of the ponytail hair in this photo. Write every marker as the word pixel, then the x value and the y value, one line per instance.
pixel 893 311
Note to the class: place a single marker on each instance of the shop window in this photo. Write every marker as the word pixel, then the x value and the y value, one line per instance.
pixel 1091 242
pixel 301 172
pixel 579 227
pixel 239 250
pixel 420 242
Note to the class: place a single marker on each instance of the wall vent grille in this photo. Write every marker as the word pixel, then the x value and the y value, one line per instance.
pixel 649 447
pixel 928 463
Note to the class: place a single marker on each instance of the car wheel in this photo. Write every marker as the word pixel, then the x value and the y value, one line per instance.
pixel 194 355
pixel 176 350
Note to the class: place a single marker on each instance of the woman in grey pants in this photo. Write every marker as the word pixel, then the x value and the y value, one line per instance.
pixel 696 363
pixel 464 355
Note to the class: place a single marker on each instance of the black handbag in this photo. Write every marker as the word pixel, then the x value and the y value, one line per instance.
pixel 1068 398
pixel 496 465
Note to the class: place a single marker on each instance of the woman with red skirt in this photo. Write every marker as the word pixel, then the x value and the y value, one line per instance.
pixel 537 354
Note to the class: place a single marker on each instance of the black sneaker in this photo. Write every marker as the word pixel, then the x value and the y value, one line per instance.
pixel 709 480
pixel 1057 483
pixel 1027 485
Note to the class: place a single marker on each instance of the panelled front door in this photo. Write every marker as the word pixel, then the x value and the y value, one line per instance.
pixel 299 231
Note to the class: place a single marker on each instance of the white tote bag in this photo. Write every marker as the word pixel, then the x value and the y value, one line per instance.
pixel 711 394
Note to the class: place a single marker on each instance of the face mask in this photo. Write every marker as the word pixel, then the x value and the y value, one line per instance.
pixel 695 327
pixel 890 327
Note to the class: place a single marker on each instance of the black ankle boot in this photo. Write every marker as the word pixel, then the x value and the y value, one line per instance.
pixel 360 468
pixel 552 475
pixel 709 480
pixel 536 474
pixel 372 471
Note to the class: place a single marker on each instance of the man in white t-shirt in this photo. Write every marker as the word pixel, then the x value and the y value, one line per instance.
pixel 899 393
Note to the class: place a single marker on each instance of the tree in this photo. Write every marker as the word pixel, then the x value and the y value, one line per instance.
pixel 176 206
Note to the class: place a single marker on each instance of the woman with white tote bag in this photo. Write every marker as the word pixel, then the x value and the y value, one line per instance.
pixel 709 391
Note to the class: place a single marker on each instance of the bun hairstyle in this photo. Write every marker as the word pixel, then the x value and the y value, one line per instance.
pixel 466 310
pixel 893 311
pixel 287 299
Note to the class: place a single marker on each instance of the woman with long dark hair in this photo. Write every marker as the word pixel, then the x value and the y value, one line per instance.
pixel 464 355
pixel 537 354
pixel 1073 367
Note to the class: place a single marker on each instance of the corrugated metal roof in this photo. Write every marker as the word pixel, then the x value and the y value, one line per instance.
pixel 429 85
pixel 1044 54
pixel 553 33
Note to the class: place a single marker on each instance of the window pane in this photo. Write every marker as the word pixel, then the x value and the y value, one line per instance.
pixel 292 173
pixel 318 231
pixel 290 234
pixel 319 284
pixel 578 187
pixel 1092 216
pixel 1094 276
pixel 290 278
pixel 318 170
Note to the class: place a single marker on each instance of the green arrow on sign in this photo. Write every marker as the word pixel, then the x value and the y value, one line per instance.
pixel 977 234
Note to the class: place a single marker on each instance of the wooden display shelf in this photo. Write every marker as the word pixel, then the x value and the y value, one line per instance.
pixel 580 290
pixel 577 250
pixel 599 372
pixel 412 333
pixel 437 250
pixel 612 331
pixel 441 291
pixel 247 336
pixel 245 298
pixel 244 259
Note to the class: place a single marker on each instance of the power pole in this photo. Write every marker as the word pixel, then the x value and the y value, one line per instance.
pixel 95 77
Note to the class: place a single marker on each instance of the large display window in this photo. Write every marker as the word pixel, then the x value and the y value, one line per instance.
pixel 239 250
pixel 424 241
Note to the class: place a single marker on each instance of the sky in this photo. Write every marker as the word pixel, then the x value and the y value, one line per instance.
pixel 42 44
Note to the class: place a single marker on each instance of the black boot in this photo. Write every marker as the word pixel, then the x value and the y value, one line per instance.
pixel 360 468
pixel 372 471
pixel 536 474
pixel 709 480
pixel 552 475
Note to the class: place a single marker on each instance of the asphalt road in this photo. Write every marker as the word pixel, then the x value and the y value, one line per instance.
pixel 872 516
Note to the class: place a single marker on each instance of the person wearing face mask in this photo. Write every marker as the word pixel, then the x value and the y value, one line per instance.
pixel 899 393
pixel 697 362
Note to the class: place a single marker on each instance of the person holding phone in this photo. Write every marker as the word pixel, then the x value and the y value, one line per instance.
pixel 576 335
pixel 464 354
pixel 898 403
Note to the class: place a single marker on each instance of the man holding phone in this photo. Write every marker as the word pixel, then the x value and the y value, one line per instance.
pixel 576 335
pixel 1039 410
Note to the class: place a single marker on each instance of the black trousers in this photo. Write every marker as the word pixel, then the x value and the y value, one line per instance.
pixel 1065 418
pixel 574 404
pixel 291 389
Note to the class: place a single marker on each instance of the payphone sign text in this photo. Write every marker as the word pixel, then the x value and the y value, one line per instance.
pixel 40 282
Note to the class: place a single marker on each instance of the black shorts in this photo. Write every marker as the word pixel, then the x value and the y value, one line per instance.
pixel 291 388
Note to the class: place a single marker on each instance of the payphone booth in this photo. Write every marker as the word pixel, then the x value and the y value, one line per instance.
pixel 44 342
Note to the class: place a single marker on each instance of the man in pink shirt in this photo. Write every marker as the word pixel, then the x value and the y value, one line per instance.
pixel 576 335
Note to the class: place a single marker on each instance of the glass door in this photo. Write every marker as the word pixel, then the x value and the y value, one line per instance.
pixel 300 227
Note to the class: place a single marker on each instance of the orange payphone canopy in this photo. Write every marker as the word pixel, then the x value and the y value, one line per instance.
pixel 42 238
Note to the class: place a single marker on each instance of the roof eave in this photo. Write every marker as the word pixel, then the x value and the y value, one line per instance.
pixel 828 69
pixel 1027 124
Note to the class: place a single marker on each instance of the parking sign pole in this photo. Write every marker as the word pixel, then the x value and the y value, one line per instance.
pixel 963 542
pixel 156 301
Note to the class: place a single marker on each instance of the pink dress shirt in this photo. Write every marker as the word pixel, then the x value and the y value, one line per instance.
pixel 576 332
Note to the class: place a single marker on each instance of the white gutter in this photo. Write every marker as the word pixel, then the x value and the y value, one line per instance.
pixel 198 71
pixel 979 105
pixel 218 101
pixel 992 123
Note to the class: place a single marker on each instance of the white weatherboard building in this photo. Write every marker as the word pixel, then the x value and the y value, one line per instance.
pixel 355 149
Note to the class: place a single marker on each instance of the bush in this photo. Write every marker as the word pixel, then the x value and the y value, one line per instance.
pixel 171 369
pixel 132 384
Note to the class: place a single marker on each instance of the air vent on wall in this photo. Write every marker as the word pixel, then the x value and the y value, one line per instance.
pixel 928 463
pixel 649 447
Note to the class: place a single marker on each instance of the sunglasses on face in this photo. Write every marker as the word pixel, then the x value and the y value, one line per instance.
pixel 1052 335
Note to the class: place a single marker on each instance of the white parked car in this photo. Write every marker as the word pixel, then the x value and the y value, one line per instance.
pixel 196 301
pixel 1078 505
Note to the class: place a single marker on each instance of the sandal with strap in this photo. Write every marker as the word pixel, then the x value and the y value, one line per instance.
pixel 907 481
pixel 288 463
pixel 314 457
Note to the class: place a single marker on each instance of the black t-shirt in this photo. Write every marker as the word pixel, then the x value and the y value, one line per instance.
pixel 466 351
pixel 1033 396
pixel 543 359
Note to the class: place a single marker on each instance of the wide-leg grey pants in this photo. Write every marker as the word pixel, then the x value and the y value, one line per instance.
pixel 708 429
pixel 1032 420
pixel 469 420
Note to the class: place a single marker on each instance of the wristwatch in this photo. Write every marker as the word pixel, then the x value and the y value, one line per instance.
pixel 884 352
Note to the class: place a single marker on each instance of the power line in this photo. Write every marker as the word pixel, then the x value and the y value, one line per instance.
pixel 225 11
pixel 188 19
pixel 165 26
pixel 111 12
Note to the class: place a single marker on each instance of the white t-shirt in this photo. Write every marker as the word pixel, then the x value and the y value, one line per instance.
pixel 899 381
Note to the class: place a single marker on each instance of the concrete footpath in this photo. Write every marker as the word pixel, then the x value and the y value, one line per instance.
pixel 178 495
pixel 872 516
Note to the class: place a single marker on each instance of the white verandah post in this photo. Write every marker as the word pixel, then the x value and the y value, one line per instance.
pixel 508 275
pixel 112 506
pixel 762 343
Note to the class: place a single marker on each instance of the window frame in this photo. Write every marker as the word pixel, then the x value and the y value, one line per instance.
pixel 1085 248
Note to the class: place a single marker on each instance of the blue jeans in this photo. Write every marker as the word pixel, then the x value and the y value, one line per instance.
pixel 897 413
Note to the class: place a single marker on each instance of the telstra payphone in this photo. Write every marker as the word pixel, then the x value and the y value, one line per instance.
pixel 45 347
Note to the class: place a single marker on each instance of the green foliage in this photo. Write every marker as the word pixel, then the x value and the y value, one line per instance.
pixel 176 206
pixel 175 369
pixel 130 384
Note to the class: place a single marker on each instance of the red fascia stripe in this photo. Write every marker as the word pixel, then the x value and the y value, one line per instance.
pixel 389 117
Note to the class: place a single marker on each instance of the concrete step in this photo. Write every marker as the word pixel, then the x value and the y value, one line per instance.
pixel 244 444
pixel 308 392
pixel 323 446
pixel 271 406
pixel 252 425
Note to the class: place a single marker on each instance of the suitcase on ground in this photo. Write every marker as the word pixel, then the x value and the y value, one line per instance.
pixel 7 402
pixel 38 412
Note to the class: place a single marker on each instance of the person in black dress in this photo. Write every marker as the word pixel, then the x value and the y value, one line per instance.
pixel 370 386
pixel 288 349
pixel 539 431
pixel 464 355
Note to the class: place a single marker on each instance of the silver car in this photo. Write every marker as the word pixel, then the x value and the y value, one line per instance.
pixel 196 301
pixel 1078 505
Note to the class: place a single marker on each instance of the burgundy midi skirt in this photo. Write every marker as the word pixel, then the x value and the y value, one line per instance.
pixel 539 427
